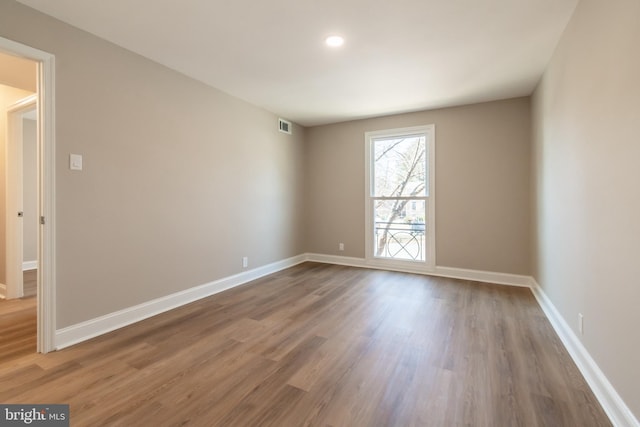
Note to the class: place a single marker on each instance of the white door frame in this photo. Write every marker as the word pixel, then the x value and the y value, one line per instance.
pixel 46 191
pixel 14 195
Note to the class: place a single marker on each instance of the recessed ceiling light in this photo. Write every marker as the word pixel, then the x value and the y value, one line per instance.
pixel 334 41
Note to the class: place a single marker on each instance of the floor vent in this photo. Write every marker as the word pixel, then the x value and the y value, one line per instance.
pixel 284 126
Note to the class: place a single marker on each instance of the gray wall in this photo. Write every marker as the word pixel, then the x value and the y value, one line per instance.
pixel 30 191
pixel 482 184
pixel 180 180
pixel 586 151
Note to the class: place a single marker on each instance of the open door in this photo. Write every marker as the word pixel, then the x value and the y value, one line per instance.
pixel 15 191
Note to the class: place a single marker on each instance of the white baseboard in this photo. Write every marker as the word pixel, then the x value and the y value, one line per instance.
pixel 337 260
pixel 485 276
pixel 29 265
pixel 618 412
pixel 101 325
pixel 92 328
pixel 450 272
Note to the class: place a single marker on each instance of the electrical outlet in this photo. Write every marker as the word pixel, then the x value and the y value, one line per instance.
pixel 341 246
pixel 245 261
pixel 581 323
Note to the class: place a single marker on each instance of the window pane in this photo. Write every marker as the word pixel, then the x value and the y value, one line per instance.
pixel 399 229
pixel 400 166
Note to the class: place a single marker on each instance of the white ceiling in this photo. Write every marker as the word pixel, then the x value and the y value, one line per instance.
pixel 399 55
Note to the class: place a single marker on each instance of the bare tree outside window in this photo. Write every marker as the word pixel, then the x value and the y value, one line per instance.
pixel 399 177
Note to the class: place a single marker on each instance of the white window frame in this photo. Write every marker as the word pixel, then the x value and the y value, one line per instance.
pixel 430 237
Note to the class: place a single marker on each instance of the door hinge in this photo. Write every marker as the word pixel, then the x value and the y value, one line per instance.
pixel 42 220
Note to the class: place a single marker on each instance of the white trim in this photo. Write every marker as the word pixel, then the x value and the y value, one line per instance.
pixel 337 260
pixel 101 325
pixel 3 291
pixel 484 276
pixel 47 203
pixel 453 273
pixel 29 265
pixel 618 412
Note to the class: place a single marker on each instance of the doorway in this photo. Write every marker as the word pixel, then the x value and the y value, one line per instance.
pixel 21 208
pixel 18 312
pixel 13 115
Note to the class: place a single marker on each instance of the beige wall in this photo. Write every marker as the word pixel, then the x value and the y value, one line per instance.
pixel 180 180
pixel 18 72
pixel 482 184
pixel 586 116
pixel 8 97
pixel 30 191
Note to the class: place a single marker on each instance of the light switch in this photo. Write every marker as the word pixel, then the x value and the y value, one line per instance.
pixel 75 162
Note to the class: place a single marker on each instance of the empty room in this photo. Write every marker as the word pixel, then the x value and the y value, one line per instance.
pixel 301 213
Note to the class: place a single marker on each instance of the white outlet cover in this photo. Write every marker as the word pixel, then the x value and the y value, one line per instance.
pixel 581 323
pixel 75 162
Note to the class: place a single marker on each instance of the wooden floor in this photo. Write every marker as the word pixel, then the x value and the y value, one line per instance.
pixel 322 345
pixel 29 280
pixel 18 322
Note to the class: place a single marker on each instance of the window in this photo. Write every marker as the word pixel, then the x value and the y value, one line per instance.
pixel 400 198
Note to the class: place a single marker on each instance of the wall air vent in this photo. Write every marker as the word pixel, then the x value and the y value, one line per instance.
pixel 284 126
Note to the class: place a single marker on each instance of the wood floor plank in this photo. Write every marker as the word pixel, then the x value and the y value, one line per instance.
pixel 18 323
pixel 314 345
